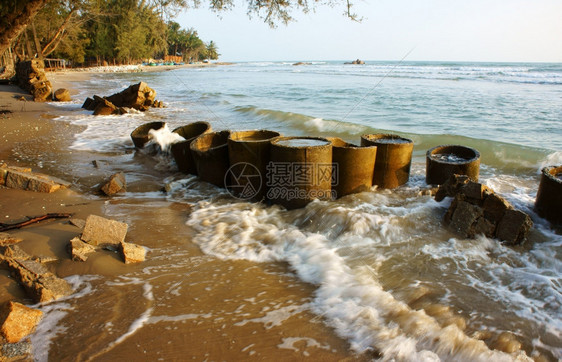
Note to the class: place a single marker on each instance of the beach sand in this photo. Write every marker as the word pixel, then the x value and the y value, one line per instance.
pixel 217 310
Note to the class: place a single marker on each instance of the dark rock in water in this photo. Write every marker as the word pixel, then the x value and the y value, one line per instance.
pixel 451 187
pixel 104 107
pixel 514 227
pixel 495 207
pixel 89 104
pixel 115 184
pixel 62 95
pixel 477 210
pixel 138 96
pixel 464 217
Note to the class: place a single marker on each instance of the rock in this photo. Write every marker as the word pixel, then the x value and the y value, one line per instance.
pixel 485 227
pixel 20 351
pixel 42 91
pixel 101 231
pixel 495 207
pixel 7 239
pixel 464 217
pixel 79 223
pixel 514 227
pixel 451 187
pixel 62 95
pixel 15 252
pixel 475 191
pixel 80 250
pixel 89 104
pixel 42 285
pixel 104 107
pixel 132 253
pixel 33 181
pixel 138 96
pixel 115 184
pixel 18 321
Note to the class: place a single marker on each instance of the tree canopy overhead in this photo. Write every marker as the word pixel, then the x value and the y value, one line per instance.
pixel 124 30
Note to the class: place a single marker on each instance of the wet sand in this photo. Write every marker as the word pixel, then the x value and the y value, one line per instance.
pixel 217 310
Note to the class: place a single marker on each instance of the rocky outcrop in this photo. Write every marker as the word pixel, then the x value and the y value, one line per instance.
pixel 357 61
pixel 18 321
pixel 31 77
pixel 476 210
pixel 23 179
pixel 137 96
pixel 115 184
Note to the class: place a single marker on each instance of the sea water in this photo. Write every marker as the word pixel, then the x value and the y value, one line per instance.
pixel 377 269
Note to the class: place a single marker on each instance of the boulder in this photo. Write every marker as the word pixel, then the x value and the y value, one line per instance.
pixel 132 253
pixel 464 217
pixel 89 104
pixel 102 231
pixel 115 184
pixel 514 227
pixel 79 250
pixel 138 96
pixel 451 187
pixel 62 95
pixel 476 209
pixel 18 321
pixel 103 107
pixel 42 91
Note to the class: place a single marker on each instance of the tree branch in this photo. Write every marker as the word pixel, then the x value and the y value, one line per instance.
pixel 19 225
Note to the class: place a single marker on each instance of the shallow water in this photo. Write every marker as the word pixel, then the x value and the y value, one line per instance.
pixel 371 275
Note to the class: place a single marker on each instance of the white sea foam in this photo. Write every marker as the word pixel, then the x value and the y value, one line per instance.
pixel 164 138
pixel 349 296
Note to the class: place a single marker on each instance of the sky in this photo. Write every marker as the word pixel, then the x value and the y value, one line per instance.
pixel 439 30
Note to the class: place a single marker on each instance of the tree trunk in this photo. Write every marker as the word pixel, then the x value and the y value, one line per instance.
pixel 15 23
pixel 36 41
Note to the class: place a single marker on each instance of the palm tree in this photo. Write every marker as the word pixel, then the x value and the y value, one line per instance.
pixel 212 51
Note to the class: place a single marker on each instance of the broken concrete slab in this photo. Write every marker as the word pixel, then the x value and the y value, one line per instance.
pixel 115 184
pixel 132 253
pixel 18 321
pixel 79 223
pixel 24 179
pixel 495 207
pixel 42 285
pixel 14 252
pixel 102 231
pixel 20 351
pixel 80 250
pixel 8 239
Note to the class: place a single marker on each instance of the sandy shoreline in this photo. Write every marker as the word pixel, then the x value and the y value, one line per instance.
pixel 214 325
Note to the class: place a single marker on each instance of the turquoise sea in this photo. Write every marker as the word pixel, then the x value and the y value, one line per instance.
pixel 386 275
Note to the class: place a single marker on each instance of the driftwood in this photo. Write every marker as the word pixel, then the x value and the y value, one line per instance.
pixel 33 220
